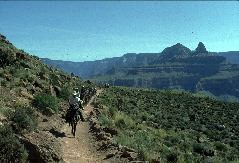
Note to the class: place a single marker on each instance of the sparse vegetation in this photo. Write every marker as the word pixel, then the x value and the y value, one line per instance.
pixel 65 92
pixel 46 103
pixel 11 150
pixel 24 120
pixel 28 88
pixel 177 126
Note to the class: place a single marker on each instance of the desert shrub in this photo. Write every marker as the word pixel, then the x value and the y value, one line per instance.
pixel 6 57
pixel 172 157
pixel 144 116
pixel 233 155
pixel 112 111
pixel 122 120
pixel 6 111
pixel 24 120
pixel 198 148
pixel 141 141
pixel 11 150
pixel 105 121
pixel 54 79
pixel 20 103
pixel 203 149
pixel 172 140
pixel 220 146
pixel 124 139
pixel 65 93
pixel 3 83
pixel 46 103
pixel 25 64
pixel 145 155
pixel 23 74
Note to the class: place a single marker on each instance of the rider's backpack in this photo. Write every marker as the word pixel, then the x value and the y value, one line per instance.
pixel 73 102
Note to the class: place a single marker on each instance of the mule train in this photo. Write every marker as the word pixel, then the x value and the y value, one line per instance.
pixel 76 103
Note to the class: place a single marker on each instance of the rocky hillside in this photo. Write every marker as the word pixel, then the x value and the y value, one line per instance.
pixel 170 126
pixel 32 98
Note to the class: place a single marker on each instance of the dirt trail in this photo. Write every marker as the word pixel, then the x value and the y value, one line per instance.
pixel 82 148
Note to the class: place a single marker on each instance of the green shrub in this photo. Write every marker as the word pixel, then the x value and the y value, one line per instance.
pixel 112 111
pixel 20 73
pixel 144 155
pixel 233 155
pixel 24 120
pixel 11 150
pixel 172 157
pixel 3 83
pixel 65 93
pixel 105 121
pixel 46 103
pixel 122 120
pixel 120 123
pixel 124 139
pixel 172 140
pixel 203 149
pixel 6 111
pixel 54 79
pixel 7 57
pixel 198 148
pixel 220 146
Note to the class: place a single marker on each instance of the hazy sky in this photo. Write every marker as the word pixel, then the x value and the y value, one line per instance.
pixel 80 31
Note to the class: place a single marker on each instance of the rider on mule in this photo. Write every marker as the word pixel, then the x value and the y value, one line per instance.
pixel 76 105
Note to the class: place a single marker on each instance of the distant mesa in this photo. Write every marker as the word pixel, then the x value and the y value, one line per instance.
pixel 176 50
pixel 180 51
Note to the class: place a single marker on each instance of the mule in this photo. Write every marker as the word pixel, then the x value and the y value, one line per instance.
pixel 74 118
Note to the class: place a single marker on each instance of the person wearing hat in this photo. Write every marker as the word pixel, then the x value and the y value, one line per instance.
pixel 76 104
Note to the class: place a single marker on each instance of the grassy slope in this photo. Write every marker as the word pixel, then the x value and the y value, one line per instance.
pixel 27 87
pixel 170 126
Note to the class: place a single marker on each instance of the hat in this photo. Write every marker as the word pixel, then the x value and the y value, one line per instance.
pixel 76 89
pixel 74 93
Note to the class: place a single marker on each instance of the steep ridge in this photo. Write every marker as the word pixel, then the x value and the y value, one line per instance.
pixel 33 104
pixel 33 98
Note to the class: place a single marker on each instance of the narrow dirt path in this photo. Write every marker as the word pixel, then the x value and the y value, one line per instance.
pixel 82 148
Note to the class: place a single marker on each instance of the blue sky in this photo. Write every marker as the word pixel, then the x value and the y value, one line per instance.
pixel 79 31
